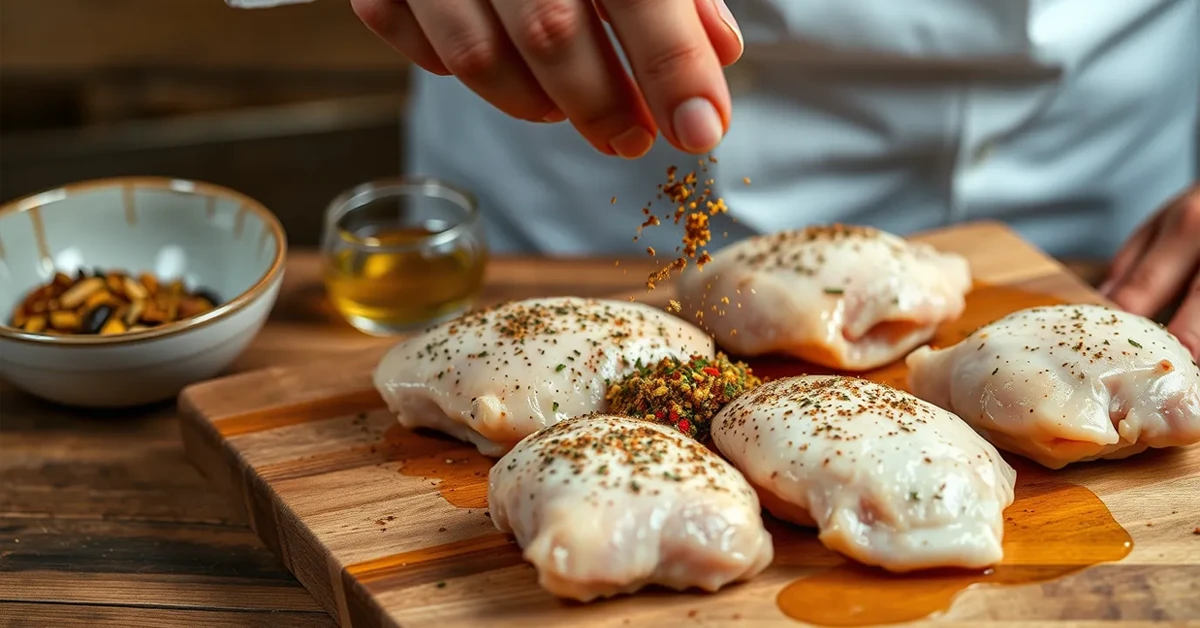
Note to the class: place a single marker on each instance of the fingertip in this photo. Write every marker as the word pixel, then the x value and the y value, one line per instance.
pixel 599 6
pixel 669 47
pixel 433 65
pixel 723 30
pixel 698 126
pixel 633 142
pixel 554 116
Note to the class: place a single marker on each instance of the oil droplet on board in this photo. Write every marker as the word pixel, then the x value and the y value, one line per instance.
pixel 1052 529
pixel 459 470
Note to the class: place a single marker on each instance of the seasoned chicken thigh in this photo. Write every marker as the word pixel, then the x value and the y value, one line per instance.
pixel 888 479
pixel 604 505
pixel 852 298
pixel 495 376
pixel 1066 384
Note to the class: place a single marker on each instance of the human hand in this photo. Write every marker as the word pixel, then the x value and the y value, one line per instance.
pixel 1159 263
pixel 550 60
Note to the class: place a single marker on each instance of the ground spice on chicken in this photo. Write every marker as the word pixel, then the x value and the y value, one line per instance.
pixel 684 395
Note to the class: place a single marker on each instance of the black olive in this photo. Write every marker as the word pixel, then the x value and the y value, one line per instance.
pixel 207 294
pixel 96 319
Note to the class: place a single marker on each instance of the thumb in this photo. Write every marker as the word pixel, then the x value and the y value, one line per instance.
pixel 722 28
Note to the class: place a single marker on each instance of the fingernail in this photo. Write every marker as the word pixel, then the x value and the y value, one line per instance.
pixel 698 125
pixel 730 21
pixel 554 116
pixel 632 143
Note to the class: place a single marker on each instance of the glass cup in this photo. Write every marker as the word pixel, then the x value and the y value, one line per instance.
pixel 401 254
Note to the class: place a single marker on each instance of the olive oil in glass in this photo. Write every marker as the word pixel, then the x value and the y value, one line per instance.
pixel 403 254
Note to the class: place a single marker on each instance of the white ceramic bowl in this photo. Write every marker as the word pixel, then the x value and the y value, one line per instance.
pixel 210 236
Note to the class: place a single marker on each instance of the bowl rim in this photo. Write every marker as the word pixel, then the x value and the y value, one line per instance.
pixel 171 184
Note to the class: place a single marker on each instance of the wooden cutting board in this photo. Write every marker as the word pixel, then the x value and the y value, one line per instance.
pixel 387 527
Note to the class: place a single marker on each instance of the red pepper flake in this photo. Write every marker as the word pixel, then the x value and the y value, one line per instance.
pixel 685 395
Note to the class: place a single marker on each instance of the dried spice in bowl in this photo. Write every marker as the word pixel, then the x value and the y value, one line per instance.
pixel 684 395
pixel 106 303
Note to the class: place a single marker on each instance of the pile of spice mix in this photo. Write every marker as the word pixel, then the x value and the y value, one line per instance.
pixel 684 395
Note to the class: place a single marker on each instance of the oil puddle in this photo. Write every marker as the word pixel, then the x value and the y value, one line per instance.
pixel 1053 529
pixel 457 470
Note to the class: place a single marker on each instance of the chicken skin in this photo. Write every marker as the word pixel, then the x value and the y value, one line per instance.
pixel 1066 384
pixel 603 505
pixel 845 297
pixel 494 376
pixel 886 478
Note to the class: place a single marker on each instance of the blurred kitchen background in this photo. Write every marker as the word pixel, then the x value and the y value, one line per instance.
pixel 289 105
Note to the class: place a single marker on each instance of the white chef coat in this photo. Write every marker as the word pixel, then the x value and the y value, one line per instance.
pixel 1071 120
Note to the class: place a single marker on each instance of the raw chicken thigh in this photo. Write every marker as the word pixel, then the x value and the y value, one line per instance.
pixel 1066 384
pixel 495 376
pixel 852 298
pixel 604 505
pixel 888 479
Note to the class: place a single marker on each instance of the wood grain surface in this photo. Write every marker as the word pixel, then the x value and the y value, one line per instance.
pixel 103 522
pixel 387 527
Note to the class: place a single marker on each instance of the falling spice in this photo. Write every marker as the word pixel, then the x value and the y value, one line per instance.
pixel 693 205
pixel 684 395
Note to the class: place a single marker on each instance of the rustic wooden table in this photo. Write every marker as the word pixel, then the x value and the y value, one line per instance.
pixel 103 522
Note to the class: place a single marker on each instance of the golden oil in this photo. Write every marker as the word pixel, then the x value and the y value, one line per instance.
pixel 395 279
